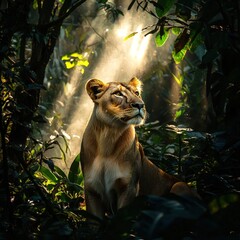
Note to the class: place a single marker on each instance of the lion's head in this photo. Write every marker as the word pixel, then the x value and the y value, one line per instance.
pixel 117 102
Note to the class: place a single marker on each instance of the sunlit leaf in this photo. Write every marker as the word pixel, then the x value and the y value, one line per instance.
pixel 65 57
pixel 178 57
pixel 160 39
pixel 69 65
pixel 179 113
pixel 83 63
pixel 129 36
pixel 179 80
pixel 176 30
pixel 48 174
pixel 77 55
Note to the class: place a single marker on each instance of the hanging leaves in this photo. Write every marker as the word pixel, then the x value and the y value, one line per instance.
pixel 179 56
pixel 75 59
pixel 161 36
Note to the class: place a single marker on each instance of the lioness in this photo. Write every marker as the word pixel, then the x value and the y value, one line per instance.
pixel 114 166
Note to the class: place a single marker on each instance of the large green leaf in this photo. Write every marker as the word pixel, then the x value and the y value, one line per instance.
pixel 161 38
pixel 48 174
pixel 179 56
pixel 75 174
pixel 166 5
pixel 60 171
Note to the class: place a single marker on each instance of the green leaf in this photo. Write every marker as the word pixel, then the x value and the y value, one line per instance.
pixel 34 168
pixel 83 63
pixel 35 5
pixel 70 64
pixel 166 5
pixel 179 80
pixel 176 30
pixel 129 36
pixel 65 57
pixel 179 113
pixel 178 57
pixel 77 55
pixel 60 171
pixel 181 40
pixel 48 174
pixel 75 174
pixel 160 39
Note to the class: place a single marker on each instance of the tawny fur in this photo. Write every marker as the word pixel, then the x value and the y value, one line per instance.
pixel 114 166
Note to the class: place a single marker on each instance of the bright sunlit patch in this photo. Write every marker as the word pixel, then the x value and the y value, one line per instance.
pixel 122 32
pixel 143 46
pixel 118 60
pixel 139 45
pixel 69 89
pixel 85 54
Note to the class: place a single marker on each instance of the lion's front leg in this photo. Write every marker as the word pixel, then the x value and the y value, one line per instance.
pixel 126 192
pixel 94 204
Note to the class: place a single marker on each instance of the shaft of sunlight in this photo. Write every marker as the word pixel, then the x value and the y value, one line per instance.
pixel 118 60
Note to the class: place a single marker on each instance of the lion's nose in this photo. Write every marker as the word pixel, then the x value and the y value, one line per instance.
pixel 137 105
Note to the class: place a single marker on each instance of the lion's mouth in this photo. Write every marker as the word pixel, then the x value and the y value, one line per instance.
pixel 125 119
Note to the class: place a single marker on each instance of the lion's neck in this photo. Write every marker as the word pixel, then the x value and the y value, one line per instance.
pixel 110 140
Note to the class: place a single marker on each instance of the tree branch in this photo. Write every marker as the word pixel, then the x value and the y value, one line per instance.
pixel 64 13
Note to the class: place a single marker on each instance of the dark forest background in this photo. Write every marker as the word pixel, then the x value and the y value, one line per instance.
pixel 191 76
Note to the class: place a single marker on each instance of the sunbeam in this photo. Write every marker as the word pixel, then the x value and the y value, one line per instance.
pixel 120 59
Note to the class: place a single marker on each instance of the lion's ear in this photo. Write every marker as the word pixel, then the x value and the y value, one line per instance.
pixel 95 88
pixel 136 83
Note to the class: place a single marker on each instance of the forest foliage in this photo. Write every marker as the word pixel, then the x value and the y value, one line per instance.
pixel 41 201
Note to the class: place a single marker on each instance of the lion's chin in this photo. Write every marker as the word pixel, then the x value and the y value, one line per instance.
pixel 136 120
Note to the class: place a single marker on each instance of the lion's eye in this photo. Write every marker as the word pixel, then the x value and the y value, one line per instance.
pixel 118 94
pixel 137 93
